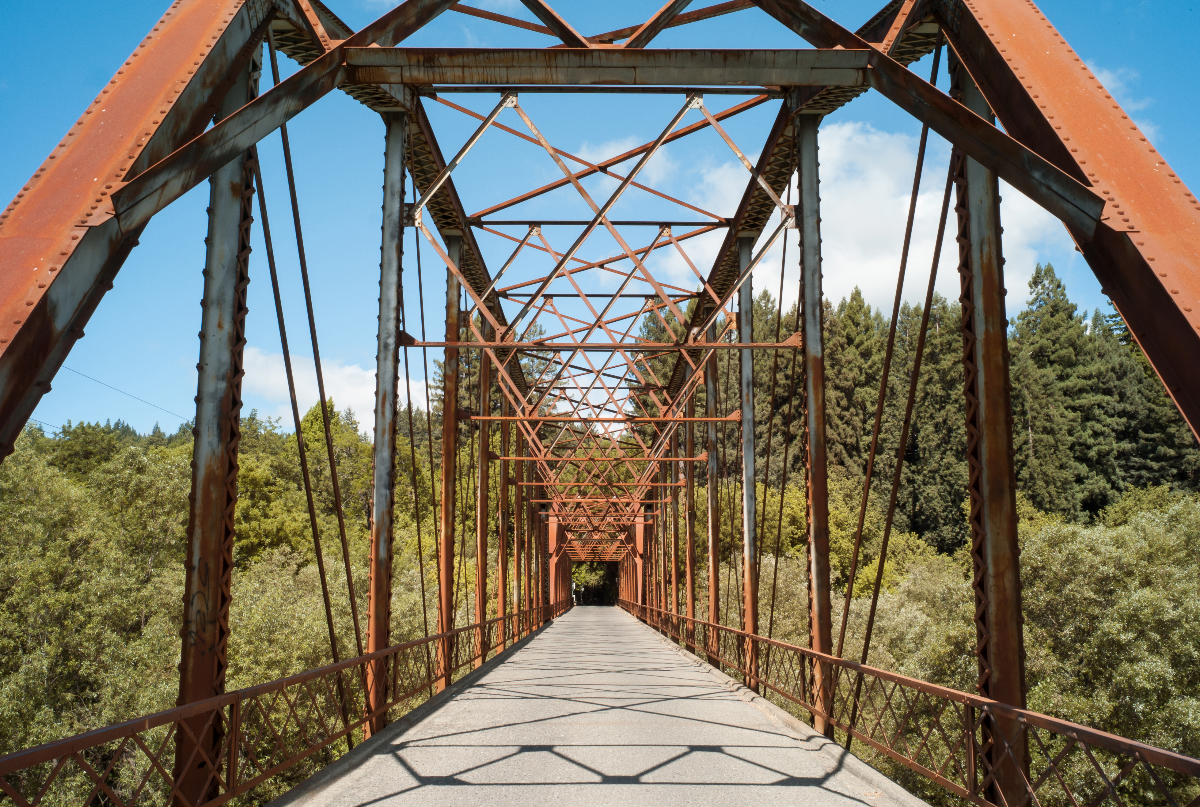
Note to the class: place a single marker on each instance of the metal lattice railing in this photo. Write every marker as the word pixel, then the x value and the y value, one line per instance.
pixel 265 734
pixel 954 739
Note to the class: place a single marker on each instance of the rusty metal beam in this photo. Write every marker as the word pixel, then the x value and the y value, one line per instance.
pixel 1144 250
pixel 387 379
pixel 1058 192
pixel 817 476
pixel 557 25
pixel 620 67
pixel 653 26
pixel 60 245
pixel 992 485
pixel 213 501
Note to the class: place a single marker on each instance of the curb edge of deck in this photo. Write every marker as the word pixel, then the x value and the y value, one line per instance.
pixel 891 793
pixel 347 763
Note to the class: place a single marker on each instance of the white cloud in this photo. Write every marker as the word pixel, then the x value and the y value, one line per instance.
pixel 350 386
pixel 1121 83
pixel 660 167
pixel 866 182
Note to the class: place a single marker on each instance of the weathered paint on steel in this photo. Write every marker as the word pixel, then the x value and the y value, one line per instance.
pixel 387 379
pixel 992 480
pixel 809 220
pixel 573 67
pixel 213 500
pixel 1144 249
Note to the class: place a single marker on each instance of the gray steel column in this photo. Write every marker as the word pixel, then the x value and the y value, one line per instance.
pixel 689 472
pixel 213 500
pixel 449 469
pixel 809 213
pixel 749 494
pixel 502 531
pixel 387 377
pixel 1000 648
pixel 482 491
pixel 714 507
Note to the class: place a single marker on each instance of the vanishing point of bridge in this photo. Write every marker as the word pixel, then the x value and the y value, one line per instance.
pixel 581 410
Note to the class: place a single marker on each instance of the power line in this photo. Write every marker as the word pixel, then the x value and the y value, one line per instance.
pixel 46 425
pixel 126 394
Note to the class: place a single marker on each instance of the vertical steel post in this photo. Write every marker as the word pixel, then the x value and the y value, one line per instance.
pixel 449 469
pixel 673 470
pixel 544 561
pixel 660 531
pixel 690 513
pixel 714 508
pixel 519 540
pixel 809 212
pixel 387 375
pixel 482 492
pixel 639 561
pixel 1000 649
pixel 502 532
pixel 527 540
pixel 539 527
pixel 749 493
pixel 213 500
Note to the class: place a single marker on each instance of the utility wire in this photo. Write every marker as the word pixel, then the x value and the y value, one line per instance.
pixel 126 394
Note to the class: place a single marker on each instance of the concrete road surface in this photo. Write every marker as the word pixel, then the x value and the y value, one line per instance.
pixel 598 710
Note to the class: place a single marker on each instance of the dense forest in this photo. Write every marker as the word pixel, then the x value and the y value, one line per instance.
pixel 92 523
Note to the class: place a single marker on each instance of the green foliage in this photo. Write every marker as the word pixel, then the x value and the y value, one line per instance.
pixel 93 522
pixel 588 575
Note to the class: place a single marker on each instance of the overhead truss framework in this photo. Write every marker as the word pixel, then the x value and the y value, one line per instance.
pixel 602 411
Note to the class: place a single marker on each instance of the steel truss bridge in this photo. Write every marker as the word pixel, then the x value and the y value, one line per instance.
pixel 599 436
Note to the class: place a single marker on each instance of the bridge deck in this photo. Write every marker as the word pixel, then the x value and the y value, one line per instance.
pixel 598 710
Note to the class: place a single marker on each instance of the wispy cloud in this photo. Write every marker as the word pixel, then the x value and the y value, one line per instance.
pixel 1122 84
pixel 866 180
pixel 350 386
pixel 661 167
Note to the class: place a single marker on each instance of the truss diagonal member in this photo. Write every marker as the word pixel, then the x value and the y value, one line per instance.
pixel 533 230
pixel 1059 193
pixel 452 266
pixel 653 26
pixel 1144 251
pixel 601 320
pixel 504 19
pixel 602 212
pixel 706 13
pixel 603 166
pixel 904 17
pixel 561 28
pixel 62 245
pixel 757 177
pixel 171 177
pixel 507 99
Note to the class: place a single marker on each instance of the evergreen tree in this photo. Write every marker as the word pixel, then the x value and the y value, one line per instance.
pixel 1048 348
pixel 855 336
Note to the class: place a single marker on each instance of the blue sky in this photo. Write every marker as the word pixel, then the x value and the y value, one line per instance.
pixel 142 339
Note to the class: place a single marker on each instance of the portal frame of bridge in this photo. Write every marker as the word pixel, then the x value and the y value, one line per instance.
pixel 145 141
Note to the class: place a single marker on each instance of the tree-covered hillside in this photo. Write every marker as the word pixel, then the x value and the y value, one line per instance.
pixel 92 522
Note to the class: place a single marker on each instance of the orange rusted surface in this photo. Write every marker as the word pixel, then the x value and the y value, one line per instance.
pixel 1144 251
pixel 71 192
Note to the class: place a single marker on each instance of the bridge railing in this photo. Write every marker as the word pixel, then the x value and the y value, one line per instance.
pixel 268 737
pixel 948 737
